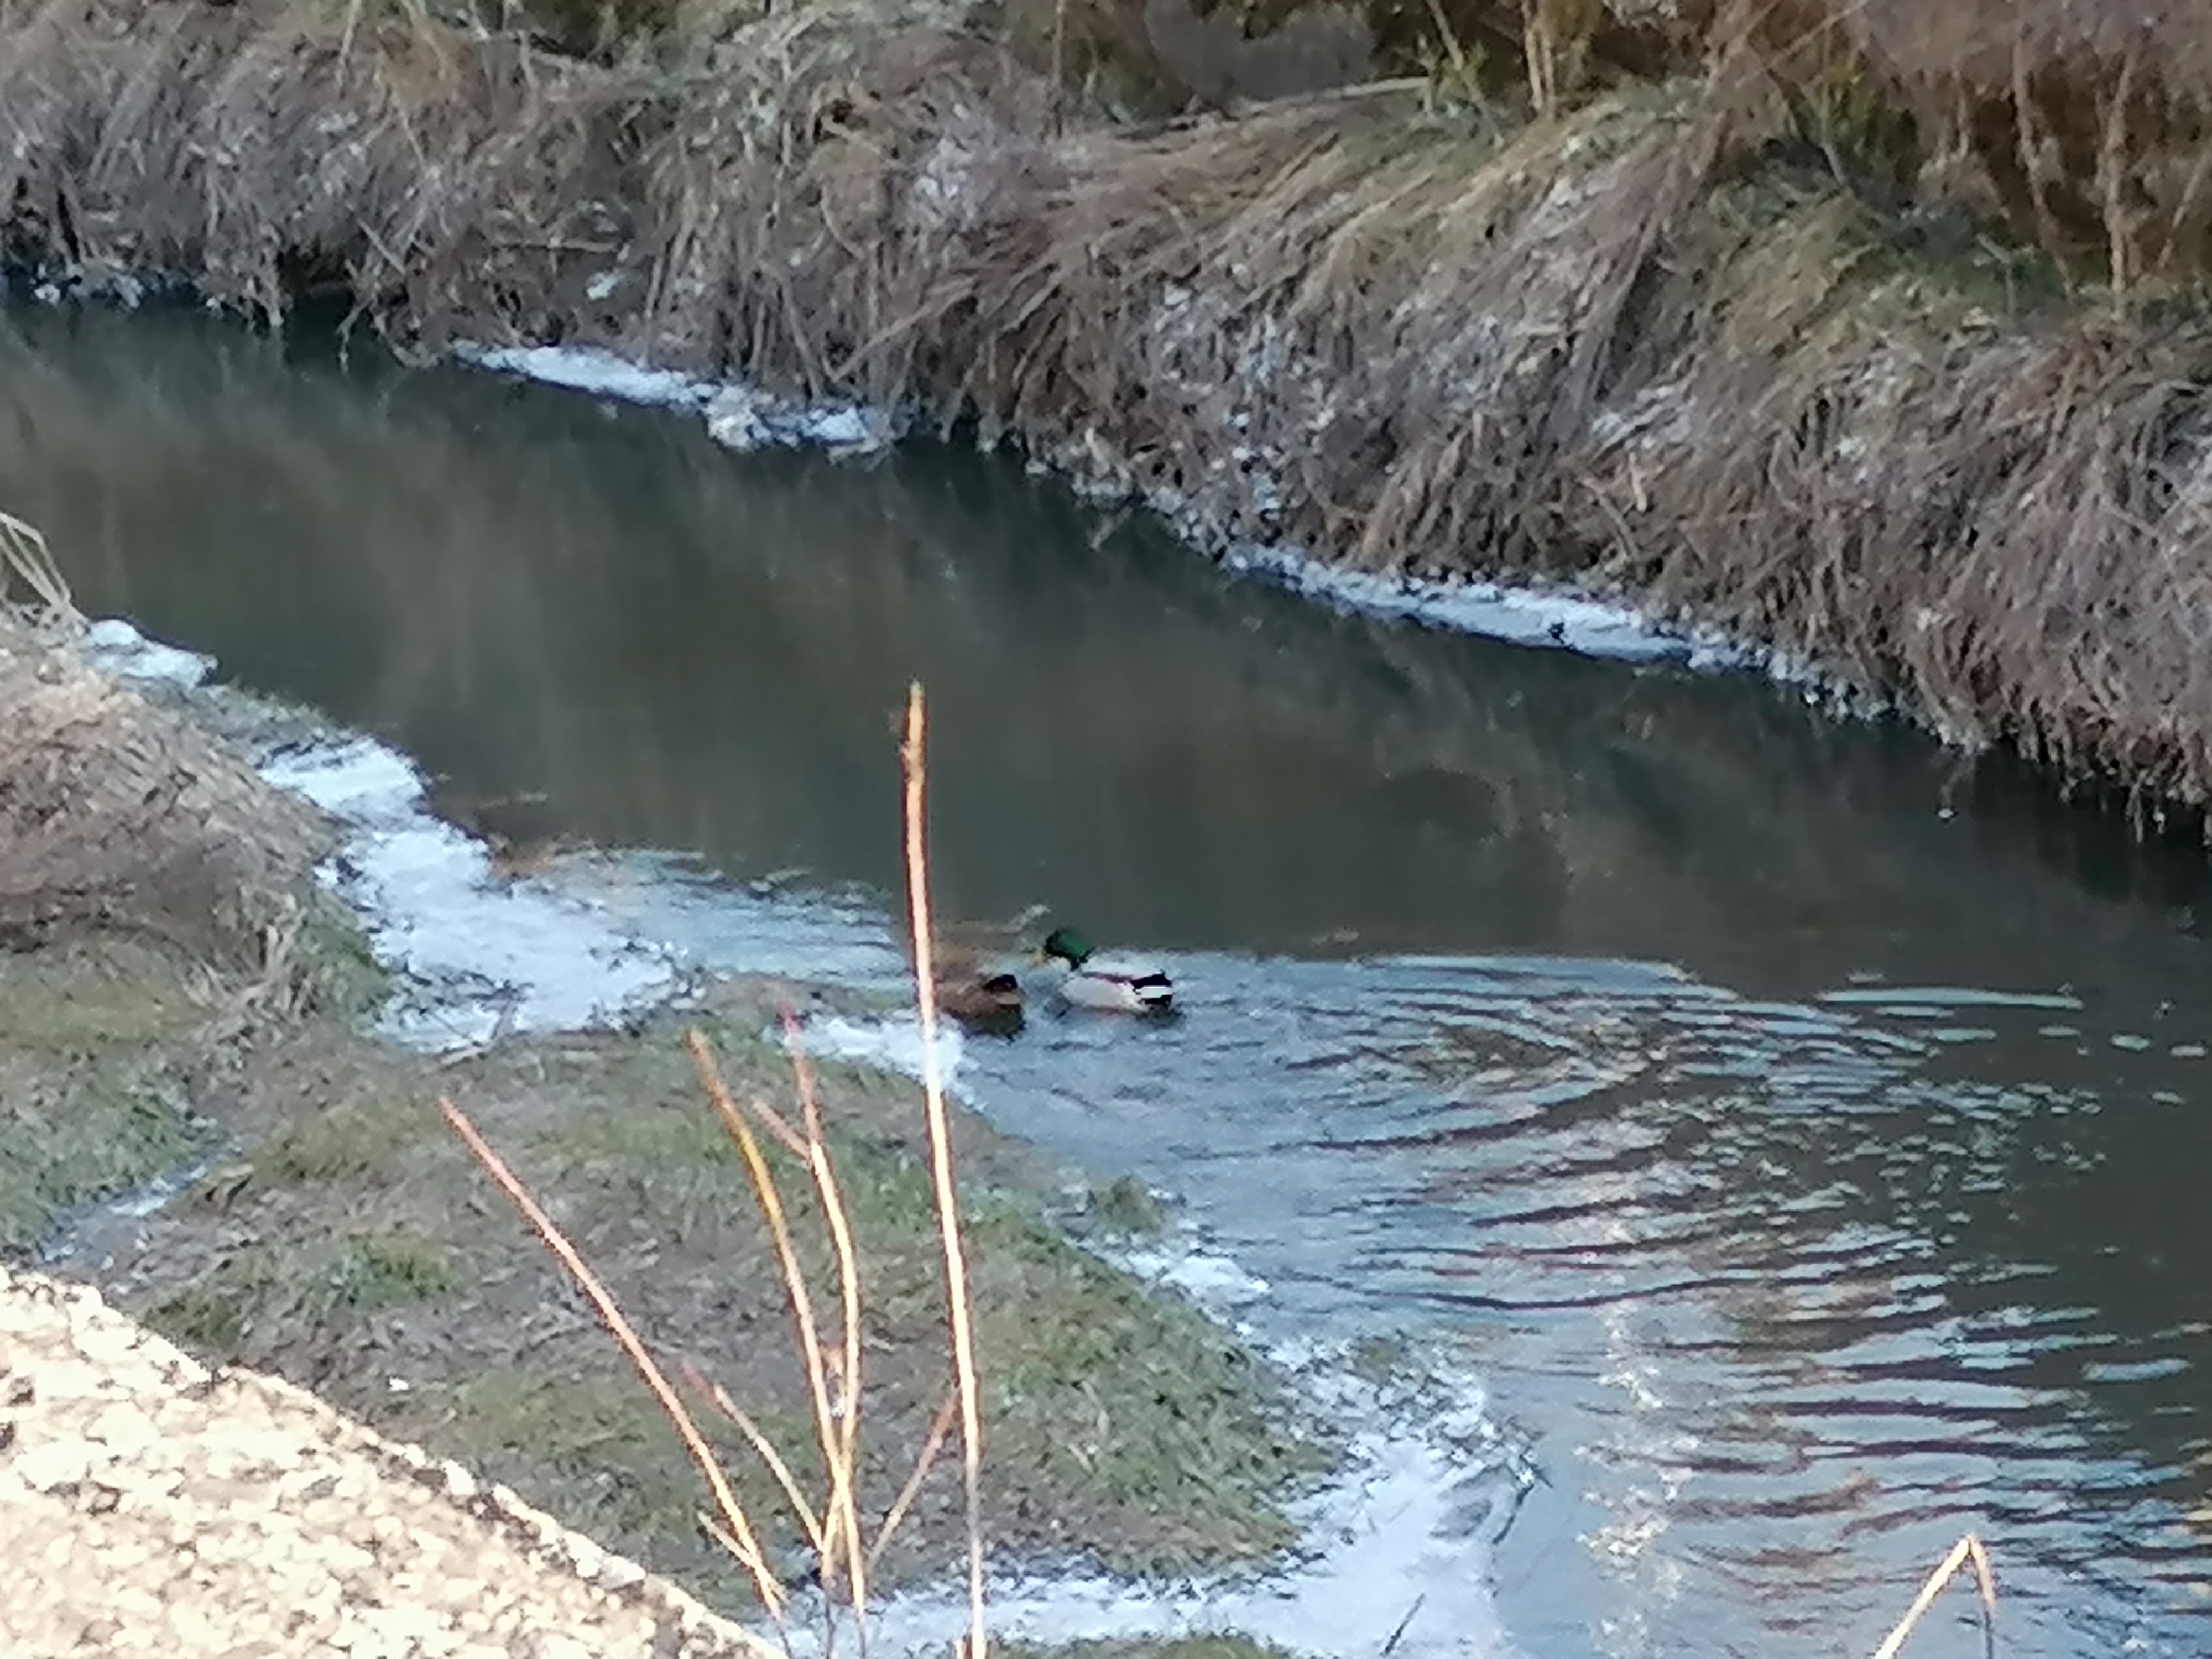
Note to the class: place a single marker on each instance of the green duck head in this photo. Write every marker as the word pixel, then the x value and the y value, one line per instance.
pixel 1068 946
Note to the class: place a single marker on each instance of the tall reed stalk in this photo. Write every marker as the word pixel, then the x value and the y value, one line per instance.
pixel 846 1549
pixel 911 764
pixel 1967 1551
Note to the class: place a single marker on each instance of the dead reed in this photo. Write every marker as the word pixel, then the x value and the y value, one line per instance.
pixel 912 765
pixel 26 558
pixel 1967 1551
pixel 120 812
pixel 844 1549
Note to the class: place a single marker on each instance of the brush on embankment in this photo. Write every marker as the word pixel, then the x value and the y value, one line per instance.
pixel 1652 346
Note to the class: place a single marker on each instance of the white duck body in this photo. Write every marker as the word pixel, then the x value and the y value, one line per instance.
pixel 1112 983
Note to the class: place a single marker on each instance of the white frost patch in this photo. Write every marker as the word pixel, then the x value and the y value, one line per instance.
pixel 892 1045
pixel 1521 616
pixel 118 649
pixel 1214 1282
pixel 737 417
pixel 1397 1551
pixel 478 955
pixel 1393 1547
pixel 588 368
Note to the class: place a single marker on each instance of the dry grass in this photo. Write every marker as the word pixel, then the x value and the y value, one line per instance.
pixel 2087 124
pixel 118 813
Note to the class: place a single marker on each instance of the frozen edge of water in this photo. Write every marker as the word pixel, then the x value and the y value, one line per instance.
pixel 743 418
pixel 1398 1544
pixel 475 954
pixel 1399 1540
pixel 115 647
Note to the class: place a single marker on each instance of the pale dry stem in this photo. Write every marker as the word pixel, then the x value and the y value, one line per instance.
pixel 939 1429
pixel 1967 1549
pixel 838 1536
pixel 849 1286
pixel 25 557
pixel 815 1535
pixel 734 1527
pixel 913 765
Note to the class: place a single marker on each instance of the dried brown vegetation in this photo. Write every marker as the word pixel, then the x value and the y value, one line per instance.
pixel 1732 344
pixel 115 811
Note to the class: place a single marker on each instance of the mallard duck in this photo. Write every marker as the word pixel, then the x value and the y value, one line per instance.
pixel 1091 981
pixel 972 991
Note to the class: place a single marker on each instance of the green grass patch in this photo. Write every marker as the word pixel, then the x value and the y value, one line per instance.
pixel 1124 1208
pixel 338 974
pixel 1122 1426
pixel 98 1032
pixel 270 1298
pixel 356 1141
pixel 1094 1384
pixel 1103 1399
pixel 77 1128
pixel 95 991
pixel 585 1442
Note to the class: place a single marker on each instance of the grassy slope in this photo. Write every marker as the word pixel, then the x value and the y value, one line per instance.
pixel 356 1243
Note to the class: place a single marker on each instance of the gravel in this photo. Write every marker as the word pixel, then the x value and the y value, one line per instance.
pixel 150 1505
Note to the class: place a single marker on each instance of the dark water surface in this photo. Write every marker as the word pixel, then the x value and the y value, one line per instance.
pixel 1802 1131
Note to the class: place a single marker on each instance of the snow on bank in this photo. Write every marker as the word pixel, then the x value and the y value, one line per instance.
pixel 116 647
pixel 1519 615
pixel 478 955
pixel 1398 1546
pixel 737 417
pixel 1400 1564
pixel 745 419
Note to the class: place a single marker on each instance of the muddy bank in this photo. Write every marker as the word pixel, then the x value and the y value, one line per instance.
pixel 1642 348
pixel 331 1231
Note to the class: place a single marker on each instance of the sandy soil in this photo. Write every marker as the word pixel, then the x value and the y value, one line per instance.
pixel 152 1506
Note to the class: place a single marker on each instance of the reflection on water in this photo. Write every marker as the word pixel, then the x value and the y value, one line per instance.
pixel 1802 1133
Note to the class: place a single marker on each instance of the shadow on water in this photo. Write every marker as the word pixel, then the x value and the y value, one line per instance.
pixel 1803 1130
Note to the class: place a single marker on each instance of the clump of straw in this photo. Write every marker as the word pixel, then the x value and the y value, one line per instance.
pixel 846 1549
pixel 26 558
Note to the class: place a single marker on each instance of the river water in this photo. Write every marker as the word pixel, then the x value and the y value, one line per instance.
pixel 1797 1129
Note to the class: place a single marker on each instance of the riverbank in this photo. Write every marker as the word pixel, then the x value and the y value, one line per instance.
pixel 323 1226
pixel 1641 349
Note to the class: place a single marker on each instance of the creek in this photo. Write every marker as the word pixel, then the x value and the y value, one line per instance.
pixel 1793 1126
